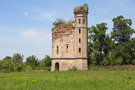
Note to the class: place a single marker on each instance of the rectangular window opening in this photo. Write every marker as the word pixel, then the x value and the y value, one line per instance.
pixel 79 30
pixel 79 40
pixel 79 50
pixel 79 21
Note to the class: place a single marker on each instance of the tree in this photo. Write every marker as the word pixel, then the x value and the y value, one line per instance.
pixel 7 64
pixel 46 62
pixel 122 30
pixel 17 58
pixel 122 33
pixel 19 67
pixel 32 61
pixel 96 45
pixel 0 65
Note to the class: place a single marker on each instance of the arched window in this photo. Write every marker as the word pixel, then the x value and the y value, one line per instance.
pixel 66 49
pixel 57 50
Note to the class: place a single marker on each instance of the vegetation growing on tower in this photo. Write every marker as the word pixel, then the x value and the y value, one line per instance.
pixel 83 8
pixel 61 21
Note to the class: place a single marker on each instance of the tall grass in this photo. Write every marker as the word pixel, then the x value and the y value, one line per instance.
pixel 71 80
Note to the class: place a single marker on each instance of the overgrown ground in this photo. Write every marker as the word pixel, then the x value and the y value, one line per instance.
pixel 71 80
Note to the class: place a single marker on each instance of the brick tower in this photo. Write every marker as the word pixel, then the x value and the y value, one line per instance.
pixel 69 43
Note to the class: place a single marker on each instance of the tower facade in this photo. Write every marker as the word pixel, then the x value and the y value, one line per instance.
pixel 69 43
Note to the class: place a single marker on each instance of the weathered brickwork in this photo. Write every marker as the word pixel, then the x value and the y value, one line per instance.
pixel 69 44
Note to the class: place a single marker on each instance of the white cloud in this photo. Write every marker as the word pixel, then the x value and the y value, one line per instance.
pixel 26 13
pixel 32 35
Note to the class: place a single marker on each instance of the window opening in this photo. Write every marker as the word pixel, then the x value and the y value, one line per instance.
pixel 66 49
pixel 79 50
pixel 79 30
pixel 79 21
pixel 79 40
pixel 57 49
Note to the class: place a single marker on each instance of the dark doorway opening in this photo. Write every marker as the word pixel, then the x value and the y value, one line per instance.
pixel 57 66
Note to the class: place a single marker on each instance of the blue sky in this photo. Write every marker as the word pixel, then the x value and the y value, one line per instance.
pixel 25 25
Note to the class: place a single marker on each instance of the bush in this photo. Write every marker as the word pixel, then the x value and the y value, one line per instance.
pixel 7 65
pixel 74 68
pixel 133 62
pixel 19 67
pixel 27 68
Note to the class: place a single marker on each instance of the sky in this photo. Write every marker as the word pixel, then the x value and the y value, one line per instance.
pixel 25 25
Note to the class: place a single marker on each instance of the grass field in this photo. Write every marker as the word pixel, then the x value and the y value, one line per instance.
pixel 71 80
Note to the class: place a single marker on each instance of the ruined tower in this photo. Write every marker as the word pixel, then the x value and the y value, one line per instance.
pixel 69 43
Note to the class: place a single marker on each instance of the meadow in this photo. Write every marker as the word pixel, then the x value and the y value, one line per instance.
pixel 71 80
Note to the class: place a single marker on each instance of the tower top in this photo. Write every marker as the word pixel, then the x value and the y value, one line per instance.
pixel 84 8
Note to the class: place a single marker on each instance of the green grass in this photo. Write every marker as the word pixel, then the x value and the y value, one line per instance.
pixel 71 80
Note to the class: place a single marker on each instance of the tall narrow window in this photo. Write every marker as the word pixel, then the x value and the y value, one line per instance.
pixel 79 40
pixel 83 21
pixel 79 30
pixel 79 50
pixel 66 49
pixel 75 21
pixel 57 49
pixel 79 21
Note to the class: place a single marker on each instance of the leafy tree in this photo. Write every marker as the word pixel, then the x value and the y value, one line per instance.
pixel 96 45
pixel 122 33
pixel 46 62
pixel 0 64
pixel 122 30
pixel 7 65
pixel 19 67
pixel 32 61
pixel 17 58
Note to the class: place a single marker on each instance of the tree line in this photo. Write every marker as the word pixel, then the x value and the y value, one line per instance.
pixel 16 64
pixel 116 48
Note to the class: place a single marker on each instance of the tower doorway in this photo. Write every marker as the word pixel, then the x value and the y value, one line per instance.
pixel 56 66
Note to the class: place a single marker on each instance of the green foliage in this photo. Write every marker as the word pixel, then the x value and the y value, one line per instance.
pixel 133 62
pixel 74 68
pixel 97 43
pixel 27 68
pixel 61 21
pixel 46 63
pixel 0 65
pixel 117 49
pixel 83 6
pixel 122 33
pixel 122 30
pixel 32 61
pixel 17 58
pixel 58 22
pixel 7 65
pixel 19 67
